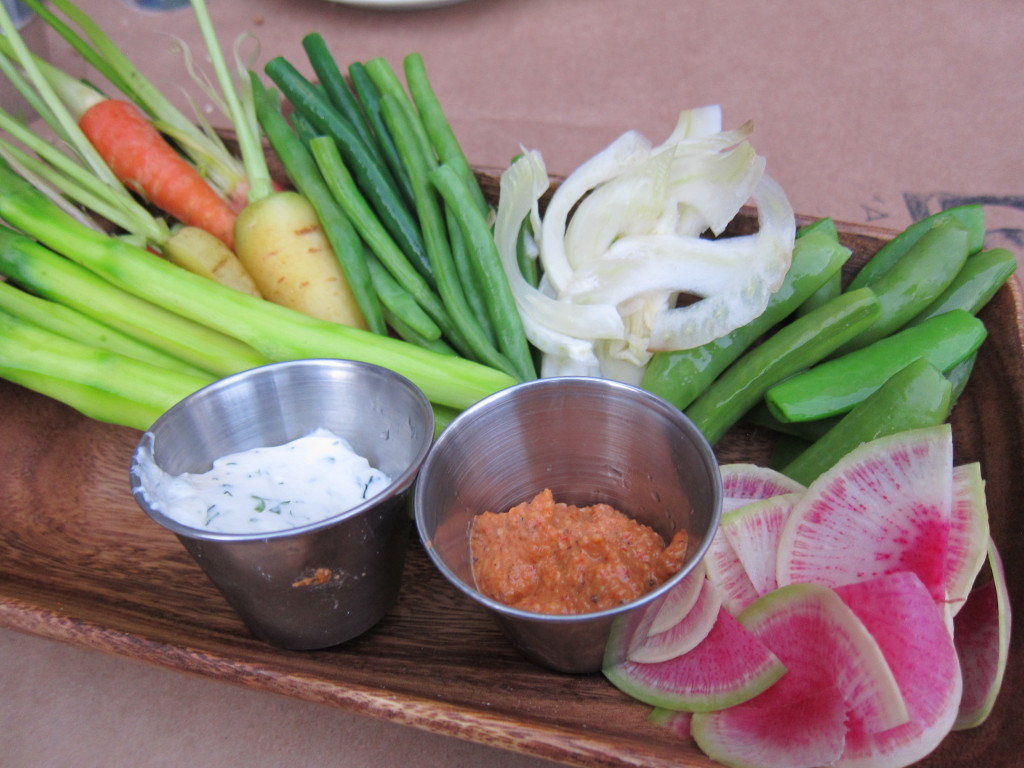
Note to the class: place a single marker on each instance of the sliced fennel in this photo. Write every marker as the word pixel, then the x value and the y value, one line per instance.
pixel 615 271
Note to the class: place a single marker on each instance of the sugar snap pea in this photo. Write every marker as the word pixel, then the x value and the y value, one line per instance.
pixel 977 281
pixel 834 285
pixel 914 397
pixel 837 385
pixel 971 217
pixel 922 273
pixel 796 346
pixel 681 375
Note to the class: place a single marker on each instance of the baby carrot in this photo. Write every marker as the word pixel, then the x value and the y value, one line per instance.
pixel 143 160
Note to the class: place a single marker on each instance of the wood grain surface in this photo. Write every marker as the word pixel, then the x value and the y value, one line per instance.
pixel 80 563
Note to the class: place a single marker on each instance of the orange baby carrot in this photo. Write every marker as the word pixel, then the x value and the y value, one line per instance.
pixel 145 162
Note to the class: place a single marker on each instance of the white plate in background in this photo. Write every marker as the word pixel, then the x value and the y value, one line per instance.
pixel 397 5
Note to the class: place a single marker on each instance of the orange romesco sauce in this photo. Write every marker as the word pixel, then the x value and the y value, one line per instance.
pixel 554 558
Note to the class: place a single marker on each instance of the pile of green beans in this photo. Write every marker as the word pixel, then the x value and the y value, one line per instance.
pixel 399 202
pixel 829 367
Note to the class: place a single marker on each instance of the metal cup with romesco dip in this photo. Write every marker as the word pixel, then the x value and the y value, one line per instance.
pixel 579 442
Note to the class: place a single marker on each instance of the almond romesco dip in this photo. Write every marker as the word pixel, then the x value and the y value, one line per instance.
pixel 548 557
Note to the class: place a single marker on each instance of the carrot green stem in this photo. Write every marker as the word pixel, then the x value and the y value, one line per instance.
pixel 65 123
pixel 242 117
pixel 204 147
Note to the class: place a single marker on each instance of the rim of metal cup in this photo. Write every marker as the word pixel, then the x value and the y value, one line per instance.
pixel 398 485
pixel 652 401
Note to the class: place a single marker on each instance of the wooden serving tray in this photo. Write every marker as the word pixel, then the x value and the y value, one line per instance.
pixel 80 563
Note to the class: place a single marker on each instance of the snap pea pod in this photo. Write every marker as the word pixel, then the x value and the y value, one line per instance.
pixel 914 282
pixel 836 386
pixel 914 397
pixel 977 281
pixel 796 346
pixel 971 217
pixel 834 285
pixel 681 375
pixel 808 431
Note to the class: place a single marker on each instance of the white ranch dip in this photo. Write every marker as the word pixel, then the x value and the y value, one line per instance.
pixel 266 489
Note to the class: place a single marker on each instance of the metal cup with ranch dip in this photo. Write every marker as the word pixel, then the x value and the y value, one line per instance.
pixel 288 486
pixel 590 441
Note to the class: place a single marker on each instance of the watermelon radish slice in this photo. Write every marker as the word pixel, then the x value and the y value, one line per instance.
pixel 885 507
pixel 968 534
pixel 729 666
pixel 725 570
pixel 748 482
pixel 676 721
pixel 911 630
pixel 753 531
pixel 685 635
pixel 982 639
pixel 679 601
pixel 835 669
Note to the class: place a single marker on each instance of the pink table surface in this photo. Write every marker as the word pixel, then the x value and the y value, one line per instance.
pixel 874 112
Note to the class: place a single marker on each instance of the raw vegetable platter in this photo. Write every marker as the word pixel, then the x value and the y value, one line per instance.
pixel 79 564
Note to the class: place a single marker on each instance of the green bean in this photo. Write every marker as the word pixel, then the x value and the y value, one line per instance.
pixel 337 90
pixel 681 375
pixel 372 177
pixel 406 332
pixel 345 191
pixel 971 217
pixel 442 137
pixel 469 275
pixel 836 386
pixel 796 346
pixel 304 173
pixel 398 302
pixel 977 281
pixel 921 274
pixel 508 325
pixel 435 235
pixel 913 397
pixel 383 76
pixel 369 97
